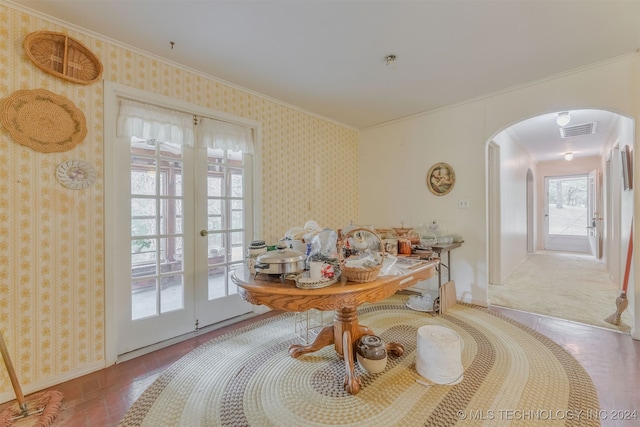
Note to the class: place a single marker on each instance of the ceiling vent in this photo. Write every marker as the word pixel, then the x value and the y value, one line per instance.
pixel 578 130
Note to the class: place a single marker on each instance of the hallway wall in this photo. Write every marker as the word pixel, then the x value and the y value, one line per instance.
pixel 515 161
pixel 395 157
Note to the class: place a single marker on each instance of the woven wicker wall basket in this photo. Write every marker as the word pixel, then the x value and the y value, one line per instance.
pixel 43 120
pixel 63 56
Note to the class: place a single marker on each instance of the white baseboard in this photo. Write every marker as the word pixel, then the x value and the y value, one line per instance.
pixel 260 309
pixel 52 381
pixel 171 341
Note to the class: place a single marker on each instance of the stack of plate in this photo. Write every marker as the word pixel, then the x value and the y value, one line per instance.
pixel 303 281
pixel 421 303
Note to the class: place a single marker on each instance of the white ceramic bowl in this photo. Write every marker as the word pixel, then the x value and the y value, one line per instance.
pixel 370 365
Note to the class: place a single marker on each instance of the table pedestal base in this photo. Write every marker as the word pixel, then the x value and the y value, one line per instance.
pixel 343 334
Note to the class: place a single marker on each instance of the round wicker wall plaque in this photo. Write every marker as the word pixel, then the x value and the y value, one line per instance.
pixel 43 120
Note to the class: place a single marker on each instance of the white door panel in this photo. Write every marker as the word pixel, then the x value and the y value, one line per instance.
pixel 221 216
pixel 154 292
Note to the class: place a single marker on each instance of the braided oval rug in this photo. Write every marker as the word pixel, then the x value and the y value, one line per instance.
pixel 512 376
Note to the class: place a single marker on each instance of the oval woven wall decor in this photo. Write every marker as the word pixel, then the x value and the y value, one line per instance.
pixel 63 56
pixel 43 120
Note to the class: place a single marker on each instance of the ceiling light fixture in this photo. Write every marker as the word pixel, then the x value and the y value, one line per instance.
pixel 390 59
pixel 563 118
pixel 568 156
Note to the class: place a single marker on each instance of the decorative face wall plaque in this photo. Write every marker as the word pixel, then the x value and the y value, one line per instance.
pixel 440 179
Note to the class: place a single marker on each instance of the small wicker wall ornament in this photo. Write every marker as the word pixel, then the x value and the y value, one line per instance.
pixel 43 120
pixel 76 174
pixel 63 56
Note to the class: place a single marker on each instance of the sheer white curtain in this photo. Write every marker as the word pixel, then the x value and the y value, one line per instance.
pixel 223 135
pixel 162 124
pixel 151 122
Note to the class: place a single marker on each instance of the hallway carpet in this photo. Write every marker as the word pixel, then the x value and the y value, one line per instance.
pixel 564 285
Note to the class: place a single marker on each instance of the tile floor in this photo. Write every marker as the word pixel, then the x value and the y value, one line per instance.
pixel 612 359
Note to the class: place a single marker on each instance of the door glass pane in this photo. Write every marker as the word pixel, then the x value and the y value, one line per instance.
pixel 215 155
pixel 215 182
pixel 178 177
pixel 216 250
pixel 143 257
pixel 215 214
pixel 217 282
pixel 237 246
pixel 143 146
pixel 172 254
pixel 171 293
pixel 216 247
pixel 170 150
pixel 233 289
pixel 178 221
pixel 237 214
pixel 143 176
pixel 568 206
pixel 143 217
pixel 170 216
pixel 235 157
pixel 236 182
pixel 144 294
pixel 170 257
pixel 169 184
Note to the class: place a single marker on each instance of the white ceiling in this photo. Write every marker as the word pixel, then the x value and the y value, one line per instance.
pixel 327 57
pixel 542 137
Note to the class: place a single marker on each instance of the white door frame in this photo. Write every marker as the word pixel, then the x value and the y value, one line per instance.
pixel 111 93
pixel 530 212
pixel 494 216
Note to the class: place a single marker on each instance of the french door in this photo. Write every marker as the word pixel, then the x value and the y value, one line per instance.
pixel 222 210
pixel 567 213
pixel 182 214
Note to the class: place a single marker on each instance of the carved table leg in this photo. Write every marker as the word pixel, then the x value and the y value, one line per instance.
pixel 344 332
pixel 395 349
pixel 346 319
pixel 351 382
pixel 324 338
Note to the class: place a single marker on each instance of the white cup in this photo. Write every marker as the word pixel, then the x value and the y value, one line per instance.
pixel 315 269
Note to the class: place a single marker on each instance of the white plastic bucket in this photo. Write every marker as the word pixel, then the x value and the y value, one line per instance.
pixel 439 355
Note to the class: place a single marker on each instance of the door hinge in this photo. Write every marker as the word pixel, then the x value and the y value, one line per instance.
pixel 197 324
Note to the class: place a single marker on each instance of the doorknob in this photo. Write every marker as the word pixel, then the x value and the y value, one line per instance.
pixel 204 233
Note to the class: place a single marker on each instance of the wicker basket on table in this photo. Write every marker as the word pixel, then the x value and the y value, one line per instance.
pixel 360 275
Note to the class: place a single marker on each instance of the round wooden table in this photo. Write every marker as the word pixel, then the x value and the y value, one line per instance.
pixel 343 297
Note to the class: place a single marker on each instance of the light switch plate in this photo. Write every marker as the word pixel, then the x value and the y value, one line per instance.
pixel 463 204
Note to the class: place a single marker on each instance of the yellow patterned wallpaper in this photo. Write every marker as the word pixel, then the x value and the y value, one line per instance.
pixel 52 288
